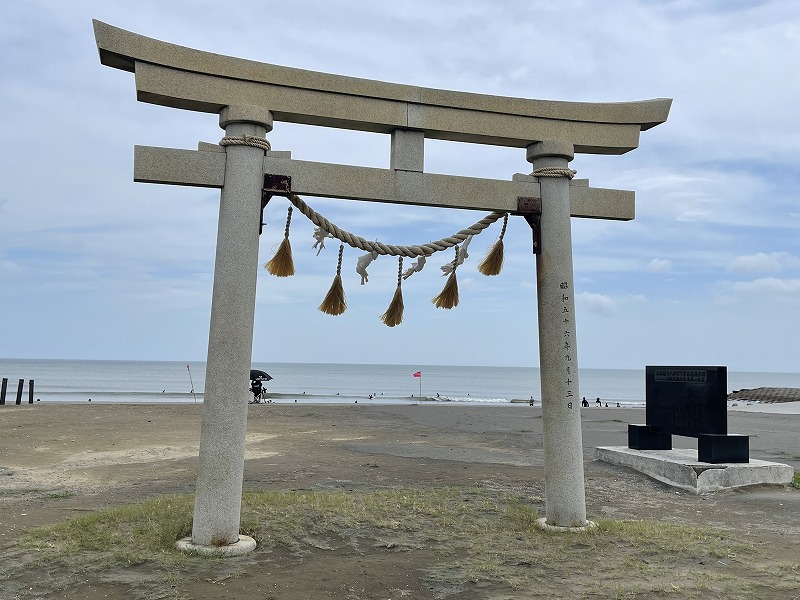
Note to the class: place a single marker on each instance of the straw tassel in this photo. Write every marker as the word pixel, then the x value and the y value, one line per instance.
pixel 394 314
pixel 282 264
pixel 448 298
pixel 492 263
pixel 334 302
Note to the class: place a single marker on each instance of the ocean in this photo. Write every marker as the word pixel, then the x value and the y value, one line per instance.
pixel 166 381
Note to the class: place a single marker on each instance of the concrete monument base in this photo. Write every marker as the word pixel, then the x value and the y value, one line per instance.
pixel 681 468
pixel 243 546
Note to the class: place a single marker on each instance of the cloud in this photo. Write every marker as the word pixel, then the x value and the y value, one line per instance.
pixel 7 266
pixel 769 287
pixel 720 194
pixel 597 303
pixel 762 262
pixel 659 265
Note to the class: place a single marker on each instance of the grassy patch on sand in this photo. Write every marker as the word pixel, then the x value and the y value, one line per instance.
pixel 127 535
pixel 38 493
pixel 796 480
pixel 481 537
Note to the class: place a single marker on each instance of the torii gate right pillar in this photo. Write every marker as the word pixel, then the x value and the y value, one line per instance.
pixel 565 499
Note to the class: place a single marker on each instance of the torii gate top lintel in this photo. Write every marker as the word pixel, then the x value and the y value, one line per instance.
pixel 181 77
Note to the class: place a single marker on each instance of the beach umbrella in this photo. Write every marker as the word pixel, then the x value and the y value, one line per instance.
pixel 257 375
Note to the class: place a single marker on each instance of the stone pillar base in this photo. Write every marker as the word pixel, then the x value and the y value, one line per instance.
pixel 243 546
pixel 542 524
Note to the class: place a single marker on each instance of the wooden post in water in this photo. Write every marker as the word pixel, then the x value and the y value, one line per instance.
pixel 19 391
pixel 3 391
pixel 30 391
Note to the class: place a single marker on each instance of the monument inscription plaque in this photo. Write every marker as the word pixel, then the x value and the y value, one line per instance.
pixel 687 400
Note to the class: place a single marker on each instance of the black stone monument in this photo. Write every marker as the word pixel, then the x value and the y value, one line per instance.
pixel 689 401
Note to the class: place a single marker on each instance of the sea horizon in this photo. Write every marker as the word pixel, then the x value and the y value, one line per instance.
pixel 126 380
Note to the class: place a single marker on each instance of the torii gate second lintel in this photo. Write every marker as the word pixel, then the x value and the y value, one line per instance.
pixel 248 96
pixel 205 167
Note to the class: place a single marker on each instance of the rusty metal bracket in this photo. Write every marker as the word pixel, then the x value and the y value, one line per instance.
pixel 273 184
pixel 264 199
pixel 535 222
pixel 527 205
pixel 277 184
pixel 531 210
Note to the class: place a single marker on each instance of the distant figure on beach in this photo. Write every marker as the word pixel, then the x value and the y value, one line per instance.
pixel 618 406
pixel 255 387
pixel 585 402
pixel 598 403
pixel 606 404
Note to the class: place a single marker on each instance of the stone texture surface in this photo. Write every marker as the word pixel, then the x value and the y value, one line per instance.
pixel 241 546
pixel 565 502
pixel 179 167
pixel 401 187
pixel 182 77
pixel 602 203
pixel 408 150
pixel 206 168
pixel 222 433
pixel 680 468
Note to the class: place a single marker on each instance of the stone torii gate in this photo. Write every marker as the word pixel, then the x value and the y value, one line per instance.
pixel 248 96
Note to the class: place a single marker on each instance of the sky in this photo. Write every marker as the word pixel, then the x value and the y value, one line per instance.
pixel 95 266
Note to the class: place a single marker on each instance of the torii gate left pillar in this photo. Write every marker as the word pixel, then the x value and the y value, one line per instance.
pixel 217 507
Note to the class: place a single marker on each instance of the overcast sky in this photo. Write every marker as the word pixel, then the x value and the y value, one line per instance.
pixel 94 265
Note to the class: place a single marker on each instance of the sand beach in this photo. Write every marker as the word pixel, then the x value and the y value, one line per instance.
pixel 62 460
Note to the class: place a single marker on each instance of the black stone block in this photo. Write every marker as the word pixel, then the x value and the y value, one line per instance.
pixel 716 448
pixel 645 437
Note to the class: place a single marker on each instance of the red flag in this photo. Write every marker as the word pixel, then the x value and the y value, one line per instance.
pixel 418 374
